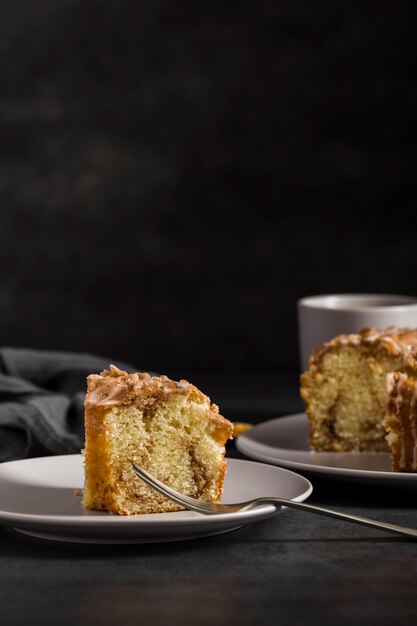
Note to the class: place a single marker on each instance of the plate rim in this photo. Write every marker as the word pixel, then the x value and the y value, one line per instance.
pixel 245 442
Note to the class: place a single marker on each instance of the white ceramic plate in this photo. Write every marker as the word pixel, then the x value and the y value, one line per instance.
pixel 285 441
pixel 37 498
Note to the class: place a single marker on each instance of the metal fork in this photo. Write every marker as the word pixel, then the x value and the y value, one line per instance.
pixel 209 508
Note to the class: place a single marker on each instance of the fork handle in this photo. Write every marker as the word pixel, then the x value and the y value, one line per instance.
pixel 348 517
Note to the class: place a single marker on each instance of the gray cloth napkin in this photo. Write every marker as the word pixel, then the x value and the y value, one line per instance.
pixel 42 401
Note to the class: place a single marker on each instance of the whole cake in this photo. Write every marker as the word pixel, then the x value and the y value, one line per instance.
pixel 344 389
pixel 401 417
pixel 169 428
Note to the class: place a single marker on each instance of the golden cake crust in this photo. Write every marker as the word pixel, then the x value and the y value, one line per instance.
pixel 401 419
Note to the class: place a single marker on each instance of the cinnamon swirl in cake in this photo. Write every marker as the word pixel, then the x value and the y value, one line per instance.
pixel 169 428
pixel 344 389
pixel 401 418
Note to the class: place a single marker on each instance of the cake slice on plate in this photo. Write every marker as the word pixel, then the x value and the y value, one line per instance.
pixel 169 428
pixel 344 389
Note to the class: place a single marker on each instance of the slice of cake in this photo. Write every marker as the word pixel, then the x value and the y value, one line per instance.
pixel 344 389
pixel 401 418
pixel 170 429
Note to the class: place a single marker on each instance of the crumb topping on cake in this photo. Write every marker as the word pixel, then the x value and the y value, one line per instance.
pixel 393 340
pixel 115 387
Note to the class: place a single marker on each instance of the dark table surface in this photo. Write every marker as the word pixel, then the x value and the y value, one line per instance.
pixel 295 568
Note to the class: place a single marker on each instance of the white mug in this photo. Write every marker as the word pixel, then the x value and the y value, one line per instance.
pixel 320 318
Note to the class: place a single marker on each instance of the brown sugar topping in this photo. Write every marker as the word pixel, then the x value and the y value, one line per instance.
pixel 115 387
pixel 393 340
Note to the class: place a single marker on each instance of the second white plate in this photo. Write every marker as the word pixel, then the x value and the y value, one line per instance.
pixel 284 441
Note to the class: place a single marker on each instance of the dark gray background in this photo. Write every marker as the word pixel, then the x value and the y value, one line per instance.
pixel 174 176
